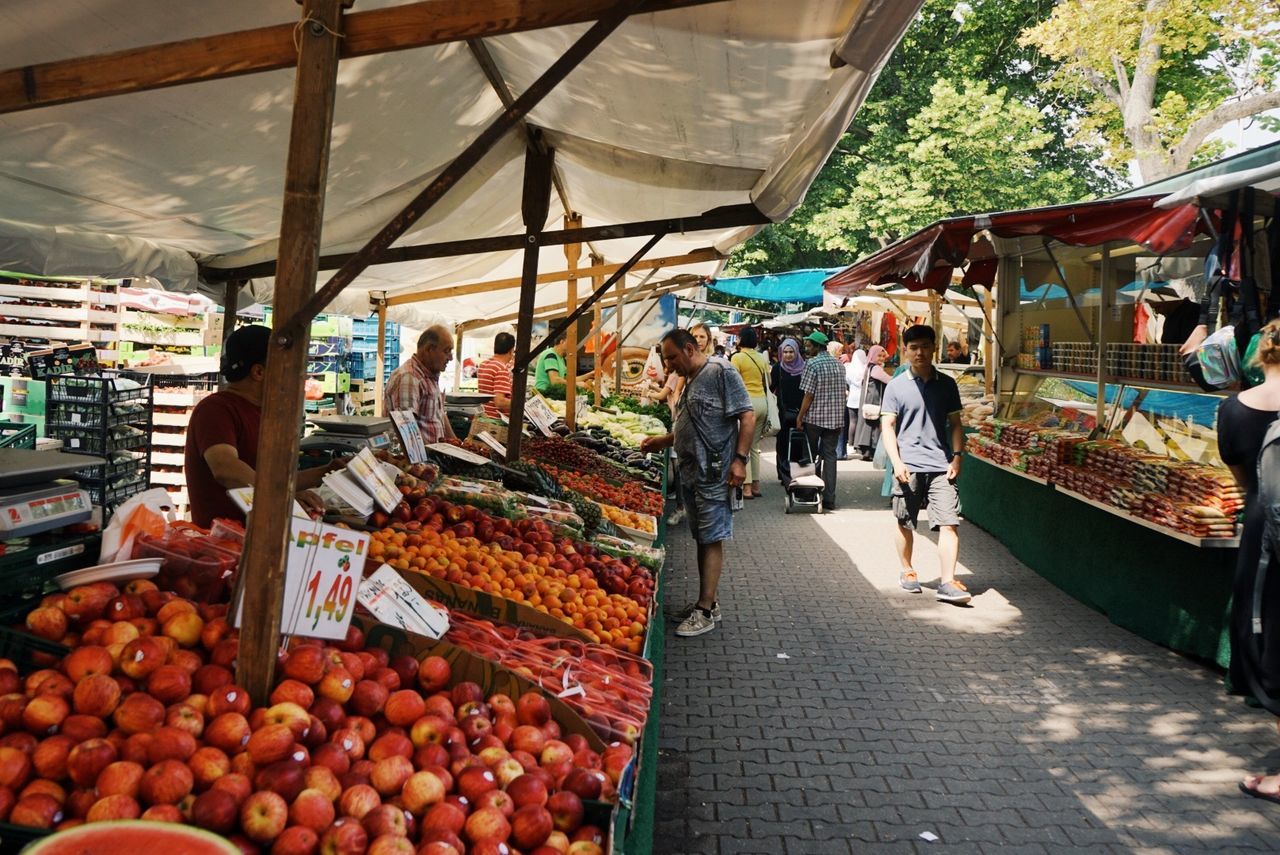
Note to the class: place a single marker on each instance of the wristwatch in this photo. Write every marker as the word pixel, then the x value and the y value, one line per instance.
pixel 739 456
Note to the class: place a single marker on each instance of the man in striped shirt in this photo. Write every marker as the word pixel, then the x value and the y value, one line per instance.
pixel 494 376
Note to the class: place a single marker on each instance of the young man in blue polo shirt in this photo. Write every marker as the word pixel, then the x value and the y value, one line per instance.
pixel 923 436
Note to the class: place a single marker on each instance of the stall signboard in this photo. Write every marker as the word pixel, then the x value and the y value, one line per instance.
pixel 368 472
pixel 537 412
pixel 323 568
pixel 13 359
pixel 410 435
pixel 394 602
pixel 80 360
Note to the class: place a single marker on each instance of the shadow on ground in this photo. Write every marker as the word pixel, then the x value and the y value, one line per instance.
pixel 832 712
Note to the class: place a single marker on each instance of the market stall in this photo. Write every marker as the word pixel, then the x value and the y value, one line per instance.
pixel 1096 462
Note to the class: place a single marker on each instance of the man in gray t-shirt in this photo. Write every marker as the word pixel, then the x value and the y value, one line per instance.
pixel 712 435
pixel 924 439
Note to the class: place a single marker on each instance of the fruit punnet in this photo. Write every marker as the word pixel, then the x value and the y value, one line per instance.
pixel 351 740
pixel 630 496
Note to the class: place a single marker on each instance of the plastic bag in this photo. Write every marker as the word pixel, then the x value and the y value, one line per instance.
pixel 1219 358
pixel 146 513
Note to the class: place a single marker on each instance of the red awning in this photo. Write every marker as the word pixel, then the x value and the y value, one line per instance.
pixel 927 258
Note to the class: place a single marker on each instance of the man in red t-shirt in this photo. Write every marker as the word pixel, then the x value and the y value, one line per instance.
pixel 222 436
pixel 494 376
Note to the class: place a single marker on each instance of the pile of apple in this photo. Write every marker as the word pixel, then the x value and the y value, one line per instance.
pixel 358 752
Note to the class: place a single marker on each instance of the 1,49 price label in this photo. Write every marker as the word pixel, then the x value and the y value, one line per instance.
pixel 323 567
pixel 336 605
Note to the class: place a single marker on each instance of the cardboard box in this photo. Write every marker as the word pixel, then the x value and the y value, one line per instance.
pixel 335 383
pixel 467 666
pixel 489 606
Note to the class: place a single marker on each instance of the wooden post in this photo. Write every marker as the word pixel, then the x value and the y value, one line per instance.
pixel 597 279
pixel 457 357
pixel 988 333
pixel 262 565
pixel 534 203
pixel 1104 304
pixel 935 321
pixel 230 296
pixel 380 375
pixel 617 335
pixel 572 252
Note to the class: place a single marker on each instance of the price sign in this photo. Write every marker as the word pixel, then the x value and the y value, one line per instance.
pixel 580 407
pixel 492 441
pixel 323 566
pixel 393 601
pixel 410 435
pixel 243 497
pixel 537 411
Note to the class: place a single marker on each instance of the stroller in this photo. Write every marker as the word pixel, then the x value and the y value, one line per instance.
pixel 804 492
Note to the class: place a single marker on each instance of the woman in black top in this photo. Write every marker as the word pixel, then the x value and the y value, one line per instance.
pixel 784 382
pixel 1243 420
pixel 866 432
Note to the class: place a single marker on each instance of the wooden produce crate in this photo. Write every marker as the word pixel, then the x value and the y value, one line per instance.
pixel 183 331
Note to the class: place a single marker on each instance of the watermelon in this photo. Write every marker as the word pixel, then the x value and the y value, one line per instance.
pixel 129 837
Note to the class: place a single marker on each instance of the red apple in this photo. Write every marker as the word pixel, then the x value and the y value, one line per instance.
pixel 215 810
pixel 83 727
pixel 404 707
pixel 120 632
pixel 305 664
pixel 295 692
pixel 84 764
pixel 584 847
pixel 183 628
pixel 368 698
pixel 139 713
pixel 434 673
pixel 239 786
pixel 50 757
pixel 386 819
pixel 390 844
pixel 332 756
pixel 185 717
pixel 499 800
pixel 142 656
pixel 263 816
pixel 228 698
pixel 37 811
pixel 45 713
pixel 170 743
pixel 421 791
pixel 286 778
pixel 528 790
pixel 120 778
pixel 430 729
pixel 533 709
pixel 45 787
pixel 531 825
pixel 430 755
pixel 229 732
pixel 84 661
pixel 345 837
pixel 358 800
pixel 507 770
pixel 169 684
pixel 269 744
pixel 174 606
pixel 390 744
pixel 296 840
pixel 555 753
pixel 440 705
pixel 443 816
pixel 50 682
pixel 329 712
pixel 350 741
pixel 312 809
pixel 126 607
pixel 389 775
pixel 166 783
pixel 476 781
pixel 487 824
pixel 207 765
pixel 439 847
pixel 566 811
pixel 322 778
pixel 215 630
pixel 163 813
pixel 338 685
pixel 586 783
pixel 48 622
pixel 96 695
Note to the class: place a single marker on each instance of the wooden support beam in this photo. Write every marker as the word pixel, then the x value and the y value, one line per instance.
pixel 461 165
pixel 557 310
pixel 533 207
pixel 262 564
pixel 617 334
pixel 412 25
pixel 230 297
pixel 596 278
pixel 698 256
pixel 731 216
pixel 380 369
pixel 572 252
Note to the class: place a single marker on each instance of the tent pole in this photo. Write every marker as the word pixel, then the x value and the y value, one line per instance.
pixel 534 202
pixel 263 563
pixel 617 347
pixel 380 378
pixel 230 296
pixel 572 252
pixel 988 332
pixel 457 357
pixel 1104 297
pixel 461 165
pixel 597 261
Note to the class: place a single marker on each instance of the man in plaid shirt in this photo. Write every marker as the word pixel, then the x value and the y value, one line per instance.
pixel 415 386
pixel 822 410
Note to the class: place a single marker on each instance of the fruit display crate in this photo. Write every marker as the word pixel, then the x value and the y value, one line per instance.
pixel 58 309
pixel 158 328
pixel 28 566
pixel 17 435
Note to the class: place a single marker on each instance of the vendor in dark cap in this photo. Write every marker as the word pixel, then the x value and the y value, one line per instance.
pixel 222 436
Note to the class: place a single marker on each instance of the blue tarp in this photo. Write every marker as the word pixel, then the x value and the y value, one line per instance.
pixel 794 286
pixel 1188 406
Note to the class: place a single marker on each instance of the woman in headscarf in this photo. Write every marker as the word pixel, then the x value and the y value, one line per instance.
pixel 854 370
pixel 867 420
pixel 784 382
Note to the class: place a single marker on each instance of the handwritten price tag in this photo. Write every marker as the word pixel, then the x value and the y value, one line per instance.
pixel 323 566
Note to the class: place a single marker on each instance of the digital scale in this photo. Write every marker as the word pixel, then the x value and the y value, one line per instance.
pixel 349 434
pixel 34 497
pixel 462 407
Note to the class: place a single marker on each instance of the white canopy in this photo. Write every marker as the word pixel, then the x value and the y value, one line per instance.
pixel 677 113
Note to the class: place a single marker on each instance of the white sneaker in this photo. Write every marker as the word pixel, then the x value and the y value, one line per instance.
pixel 697 623
pixel 684 613
pixel 677 517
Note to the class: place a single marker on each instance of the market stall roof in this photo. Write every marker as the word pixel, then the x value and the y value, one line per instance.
pixel 927 258
pixel 792 286
pixel 679 112
pixel 1245 161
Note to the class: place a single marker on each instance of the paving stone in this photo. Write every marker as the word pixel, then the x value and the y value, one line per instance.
pixel 1027 723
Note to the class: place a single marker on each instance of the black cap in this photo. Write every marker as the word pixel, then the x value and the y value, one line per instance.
pixel 244 348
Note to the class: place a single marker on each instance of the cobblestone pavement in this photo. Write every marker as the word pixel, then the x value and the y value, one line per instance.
pixel 832 712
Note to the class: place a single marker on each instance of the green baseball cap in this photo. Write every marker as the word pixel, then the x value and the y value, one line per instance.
pixel 817 338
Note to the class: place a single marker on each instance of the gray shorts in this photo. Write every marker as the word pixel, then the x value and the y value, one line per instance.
pixel 707 507
pixel 929 490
